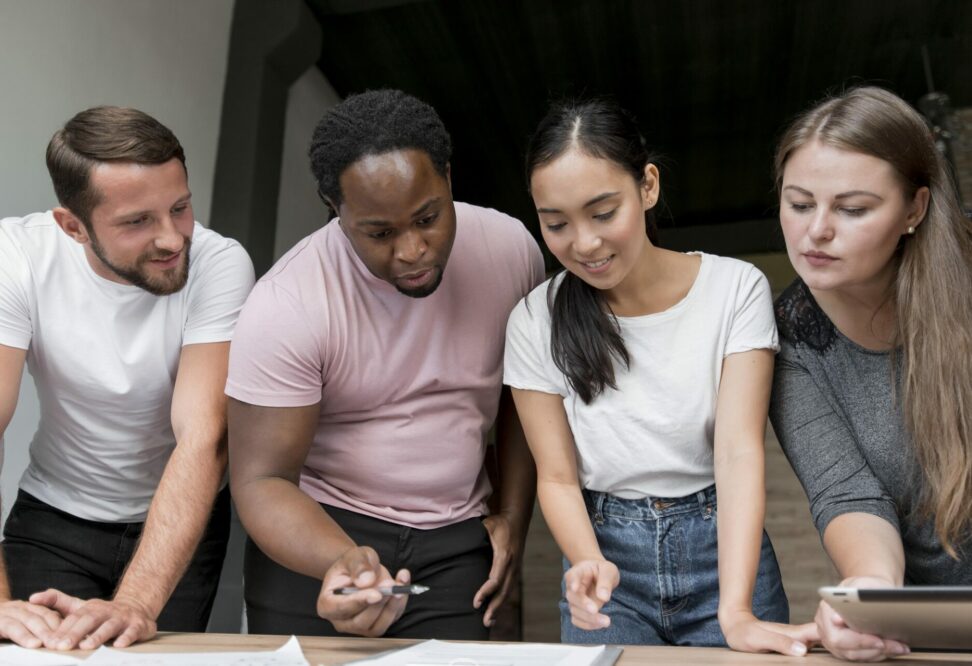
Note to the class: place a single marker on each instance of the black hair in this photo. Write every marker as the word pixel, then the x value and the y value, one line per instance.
pixel 373 123
pixel 585 337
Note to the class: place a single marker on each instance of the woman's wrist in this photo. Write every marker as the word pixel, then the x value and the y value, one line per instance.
pixel 869 580
pixel 588 557
pixel 731 615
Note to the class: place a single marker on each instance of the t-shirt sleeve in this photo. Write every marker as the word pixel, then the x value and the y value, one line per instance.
pixel 217 294
pixel 527 362
pixel 276 357
pixel 816 440
pixel 753 325
pixel 16 328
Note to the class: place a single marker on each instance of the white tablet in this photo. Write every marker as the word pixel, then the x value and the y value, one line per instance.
pixel 920 617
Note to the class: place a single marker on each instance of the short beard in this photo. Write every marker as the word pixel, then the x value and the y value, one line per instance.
pixel 422 292
pixel 138 276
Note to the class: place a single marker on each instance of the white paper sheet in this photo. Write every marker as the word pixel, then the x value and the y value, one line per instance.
pixel 440 653
pixel 14 655
pixel 289 654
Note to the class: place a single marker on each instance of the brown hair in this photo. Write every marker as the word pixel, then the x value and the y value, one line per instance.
pixel 104 134
pixel 932 292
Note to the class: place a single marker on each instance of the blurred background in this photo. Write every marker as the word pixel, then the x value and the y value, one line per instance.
pixel 712 82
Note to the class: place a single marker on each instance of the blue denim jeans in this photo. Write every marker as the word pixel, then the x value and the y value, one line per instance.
pixel 667 553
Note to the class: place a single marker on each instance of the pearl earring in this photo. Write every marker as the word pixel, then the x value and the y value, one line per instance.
pixel 911 231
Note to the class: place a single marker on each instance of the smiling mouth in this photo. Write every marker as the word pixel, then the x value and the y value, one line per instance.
pixel 596 264
pixel 166 260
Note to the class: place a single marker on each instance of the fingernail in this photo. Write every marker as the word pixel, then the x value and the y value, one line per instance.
pixel 64 645
pixel 799 649
pixel 899 650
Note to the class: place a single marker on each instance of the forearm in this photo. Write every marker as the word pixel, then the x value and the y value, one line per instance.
pixel 861 544
pixel 177 519
pixel 741 496
pixel 566 515
pixel 289 526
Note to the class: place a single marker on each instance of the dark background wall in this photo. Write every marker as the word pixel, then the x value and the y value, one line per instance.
pixel 711 81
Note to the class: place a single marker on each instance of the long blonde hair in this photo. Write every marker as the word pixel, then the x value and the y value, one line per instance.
pixel 932 292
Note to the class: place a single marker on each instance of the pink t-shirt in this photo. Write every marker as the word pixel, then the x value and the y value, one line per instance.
pixel 408 387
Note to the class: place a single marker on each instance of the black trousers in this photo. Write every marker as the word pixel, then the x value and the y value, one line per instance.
pixel 453 561
pixel 46 547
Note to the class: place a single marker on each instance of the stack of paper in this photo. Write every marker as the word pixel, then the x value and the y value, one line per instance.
pixel 13 655
pixel 288 655
pixel 439 653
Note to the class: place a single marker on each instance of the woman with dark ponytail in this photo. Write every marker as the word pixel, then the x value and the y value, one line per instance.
pixel 642 378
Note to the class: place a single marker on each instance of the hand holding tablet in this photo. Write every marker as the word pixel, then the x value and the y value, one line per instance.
pixel 917 616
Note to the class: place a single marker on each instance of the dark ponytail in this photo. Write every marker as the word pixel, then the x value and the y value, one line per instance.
pixel 585 337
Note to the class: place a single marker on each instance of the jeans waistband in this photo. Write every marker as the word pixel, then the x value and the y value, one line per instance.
pixel 650 508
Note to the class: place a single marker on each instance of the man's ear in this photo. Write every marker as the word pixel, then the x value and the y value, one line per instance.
pixel 71 224
pixel 330 205
pixel 448 175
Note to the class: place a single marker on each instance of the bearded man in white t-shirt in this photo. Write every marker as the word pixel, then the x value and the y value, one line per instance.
pixel 120 526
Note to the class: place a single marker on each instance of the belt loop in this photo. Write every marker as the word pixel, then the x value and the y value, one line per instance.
pixel 705 505
pixel 599 503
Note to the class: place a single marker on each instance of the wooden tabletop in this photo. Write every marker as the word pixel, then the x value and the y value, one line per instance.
pixel 333 651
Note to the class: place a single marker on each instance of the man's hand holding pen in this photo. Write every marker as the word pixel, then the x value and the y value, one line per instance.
pixel 365 612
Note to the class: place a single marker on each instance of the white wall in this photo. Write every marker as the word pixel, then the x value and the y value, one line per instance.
pixel 166 57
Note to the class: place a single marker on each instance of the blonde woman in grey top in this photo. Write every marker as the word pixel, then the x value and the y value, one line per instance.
pixel 872 399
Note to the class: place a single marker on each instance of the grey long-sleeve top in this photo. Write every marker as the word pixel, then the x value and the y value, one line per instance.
pixel 834 412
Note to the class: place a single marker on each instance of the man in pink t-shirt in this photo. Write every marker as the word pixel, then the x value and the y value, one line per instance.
pixel 365 373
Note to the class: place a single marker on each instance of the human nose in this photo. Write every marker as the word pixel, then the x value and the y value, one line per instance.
pixel 821 226
pixel 586 240
pixel 410 247
pixel 169 238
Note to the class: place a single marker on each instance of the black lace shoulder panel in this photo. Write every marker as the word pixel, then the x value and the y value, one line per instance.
pixel 800 319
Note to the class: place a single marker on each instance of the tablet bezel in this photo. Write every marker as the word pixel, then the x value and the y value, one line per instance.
pixel 920 616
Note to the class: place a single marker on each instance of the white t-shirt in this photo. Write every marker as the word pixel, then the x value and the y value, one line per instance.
pixel 653 435
pixel 104 357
